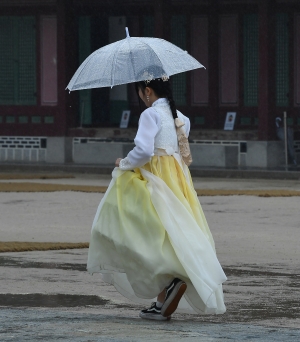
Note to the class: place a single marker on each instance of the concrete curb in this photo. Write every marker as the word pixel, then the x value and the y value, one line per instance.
pixel 248 174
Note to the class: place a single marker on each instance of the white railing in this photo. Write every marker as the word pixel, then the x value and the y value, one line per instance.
pixel 297 146
pixel 31 149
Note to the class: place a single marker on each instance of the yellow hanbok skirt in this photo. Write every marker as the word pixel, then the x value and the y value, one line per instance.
pixel 150 228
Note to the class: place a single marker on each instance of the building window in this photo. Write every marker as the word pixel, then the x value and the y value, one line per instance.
pixel 178 37
pixel 282 60
pixel 17 60
pixel 250 60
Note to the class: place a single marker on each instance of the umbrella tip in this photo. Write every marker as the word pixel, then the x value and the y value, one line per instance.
pixel 127 32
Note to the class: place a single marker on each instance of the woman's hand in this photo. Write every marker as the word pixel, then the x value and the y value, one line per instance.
pixel 117 163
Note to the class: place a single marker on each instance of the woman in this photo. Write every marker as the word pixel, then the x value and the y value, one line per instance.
pixel 150 237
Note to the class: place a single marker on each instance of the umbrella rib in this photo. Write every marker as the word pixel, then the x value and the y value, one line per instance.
pixel 133 66
pixel 113 64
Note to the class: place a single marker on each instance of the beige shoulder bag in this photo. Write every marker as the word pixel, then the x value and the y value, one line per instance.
pixel 183 142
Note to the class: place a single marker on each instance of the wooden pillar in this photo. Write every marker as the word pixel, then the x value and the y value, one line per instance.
pixel 158 19
pixel 162 19
pixel 266 76
pixel 213 65
pixel 66 65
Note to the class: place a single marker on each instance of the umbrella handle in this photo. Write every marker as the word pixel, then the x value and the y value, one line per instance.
pixel 127 32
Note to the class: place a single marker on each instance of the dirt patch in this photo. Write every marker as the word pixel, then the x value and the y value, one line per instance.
pixel 39 187
pixel 5 176
pixel 260 193
pixel 14 246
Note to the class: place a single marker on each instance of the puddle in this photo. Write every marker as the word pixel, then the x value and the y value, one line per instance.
pixel 232 271
pixel 50 301
pixel 252 293
pixel 17 201
pixel 14 262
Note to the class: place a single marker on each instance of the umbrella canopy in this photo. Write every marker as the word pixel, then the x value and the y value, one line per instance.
pixel 130 60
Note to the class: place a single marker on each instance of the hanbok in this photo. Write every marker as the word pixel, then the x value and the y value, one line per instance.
pixel 150 227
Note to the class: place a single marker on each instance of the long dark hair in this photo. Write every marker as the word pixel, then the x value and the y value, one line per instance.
pixel 161 88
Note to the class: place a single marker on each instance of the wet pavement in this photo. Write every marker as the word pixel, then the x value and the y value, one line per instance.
pixel 49 296
pixel 59 325
pixel 50 300
pixel 253 292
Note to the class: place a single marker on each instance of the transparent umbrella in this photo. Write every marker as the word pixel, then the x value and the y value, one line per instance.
pixel 130 60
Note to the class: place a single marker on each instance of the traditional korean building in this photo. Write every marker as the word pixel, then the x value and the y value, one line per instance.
pixel 250 48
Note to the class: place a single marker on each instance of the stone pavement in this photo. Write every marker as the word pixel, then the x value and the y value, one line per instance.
pixel 48 296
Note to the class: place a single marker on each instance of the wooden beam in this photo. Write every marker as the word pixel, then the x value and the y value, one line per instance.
pixel 213 65
pixel 158 19
pixel 266 76
pixel 66 65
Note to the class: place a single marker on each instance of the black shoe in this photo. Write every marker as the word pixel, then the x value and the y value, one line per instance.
pixel 174 292
pixel 153 313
